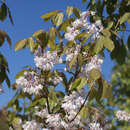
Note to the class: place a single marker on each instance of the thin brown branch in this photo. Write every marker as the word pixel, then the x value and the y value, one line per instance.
pixel 81 106
pixel 47 93
pixel 48 106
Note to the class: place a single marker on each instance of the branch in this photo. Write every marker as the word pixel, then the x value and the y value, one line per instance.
pixel 48 106
pixel 47 93
pixel 76 72
pixel 81 107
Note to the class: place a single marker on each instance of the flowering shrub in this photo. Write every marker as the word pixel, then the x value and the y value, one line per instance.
pixel 66 86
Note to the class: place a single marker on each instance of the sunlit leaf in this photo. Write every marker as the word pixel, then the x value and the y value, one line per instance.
pixel 73 61
pixel 41 37
pixel 52 33
pixel 94 74
pixel 20 44
pixel 57 19
pixel 108 43
pixel 50 14
pixel 52 44
pixel 69 10
pixel 79 83
pixel 98 45
pixel 84 112
pixel 124 18
pixel 31 44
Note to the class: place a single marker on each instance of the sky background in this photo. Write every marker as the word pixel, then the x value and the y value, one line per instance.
pixel 27 20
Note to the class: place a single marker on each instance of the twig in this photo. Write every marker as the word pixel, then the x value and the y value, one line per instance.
pixel 81 107
pixel 48 106
pixel 47 101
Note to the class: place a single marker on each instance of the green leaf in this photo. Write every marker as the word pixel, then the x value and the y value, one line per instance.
pixel 76 83
pixel 57 19
pixel 56 108
pixel 84 112
pixel 79 83
pixel 31 44
pixel 4 35
pixel 3 12
pixel 82 84
pixel 52 44
pixel 119 53
pixel 108 43
pixel 50 14
pixel 69 10
pixel 65 24
pixel 99 45
pixel 99 90
pixel 73 61
pixel 20 44
pixel 76 12
pixel 107 91
pixel 52 33
pixel 38 33
pixel 106 32
pixel 125 17
pixel 19 74
pixel 81 35
pixel 80 60
pixel 110 24
pixel 86 37
pixel 94 74
pixel 42 37
pixel 93 92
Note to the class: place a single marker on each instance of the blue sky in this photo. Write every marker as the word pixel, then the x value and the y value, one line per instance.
pixel 26 15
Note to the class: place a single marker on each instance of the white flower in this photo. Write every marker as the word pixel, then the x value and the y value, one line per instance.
pixel 43 113
pixel 72 52
pixel 47 60
pixel 31 125
pixel 69 36
pixel 69 57
pixel 71 105
pixel 55 79
pixel 83 22
pixel 123 115
pixel 92 13
pixel 54 121
pixel 30 82
pixel 95 126
pixel 95 63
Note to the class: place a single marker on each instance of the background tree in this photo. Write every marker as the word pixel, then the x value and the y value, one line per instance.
pixel 121 89
pixel 4 69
